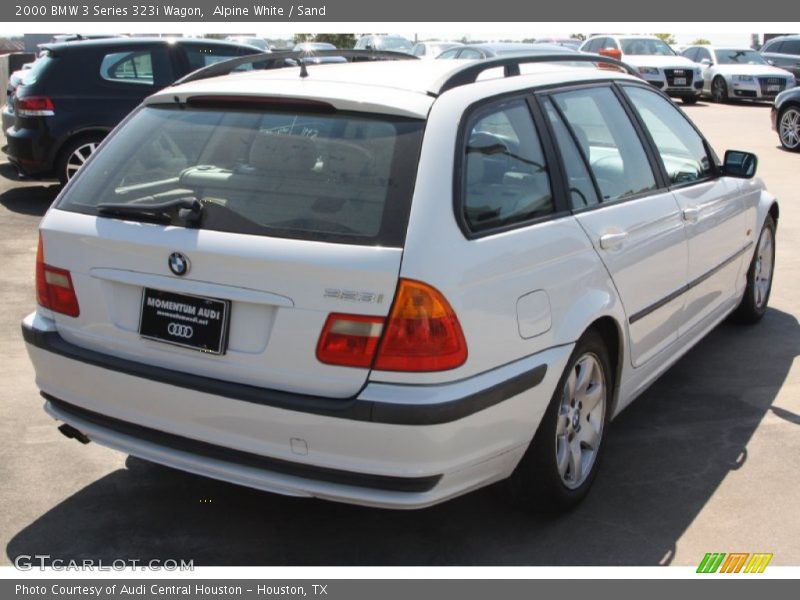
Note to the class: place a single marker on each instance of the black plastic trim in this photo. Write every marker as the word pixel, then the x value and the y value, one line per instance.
pixel 347 408
pixel 694 283
pixel 247 459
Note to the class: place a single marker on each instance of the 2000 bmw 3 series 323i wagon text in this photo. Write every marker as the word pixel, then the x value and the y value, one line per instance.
pixel 391 283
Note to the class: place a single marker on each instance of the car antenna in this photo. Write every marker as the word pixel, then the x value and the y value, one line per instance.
pixel 303 70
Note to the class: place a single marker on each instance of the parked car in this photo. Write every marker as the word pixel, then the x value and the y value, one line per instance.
pixel 657 63
pixel 786 118
pixel 738 73
pixel 392 43
pixel 79 91
pixel 256 42
pixel 312 48
pixel 497 49
pixel 784 52
pixel 432 49
pixel 571 43
pixel 393 284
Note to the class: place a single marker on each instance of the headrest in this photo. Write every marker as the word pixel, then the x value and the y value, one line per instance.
pixel 281 152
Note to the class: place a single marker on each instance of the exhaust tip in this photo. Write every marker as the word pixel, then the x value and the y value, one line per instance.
pixel 70 432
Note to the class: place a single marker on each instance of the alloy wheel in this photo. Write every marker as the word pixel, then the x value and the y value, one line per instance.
pixel 579 430
pixel 789 128
pixel 765 260
pixel 79 157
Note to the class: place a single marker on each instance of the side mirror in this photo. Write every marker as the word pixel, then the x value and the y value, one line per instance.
pixel 706 62
pixel 771 62
pixel 740 164
pixel 611 53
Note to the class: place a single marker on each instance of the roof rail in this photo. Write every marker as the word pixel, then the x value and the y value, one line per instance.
pixel 469 73
pixel 280 59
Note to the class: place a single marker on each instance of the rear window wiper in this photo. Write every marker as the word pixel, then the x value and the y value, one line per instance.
pixel 188 209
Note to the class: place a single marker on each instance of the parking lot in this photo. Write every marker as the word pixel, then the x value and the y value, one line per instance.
pixel 706 460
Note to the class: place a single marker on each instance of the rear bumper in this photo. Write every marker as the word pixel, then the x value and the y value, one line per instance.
pixel 401 446
pixel 30 150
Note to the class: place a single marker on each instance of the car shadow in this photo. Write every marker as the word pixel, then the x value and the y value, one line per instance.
pixel 666 456
pixel 30 200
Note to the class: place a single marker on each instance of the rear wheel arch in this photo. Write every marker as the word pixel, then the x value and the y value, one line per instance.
pixel 611 332
pixel 68 145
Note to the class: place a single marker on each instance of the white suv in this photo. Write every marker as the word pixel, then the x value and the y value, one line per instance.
pixel 657 63
pixel 390 283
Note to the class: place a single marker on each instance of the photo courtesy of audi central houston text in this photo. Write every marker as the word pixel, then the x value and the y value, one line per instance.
pixel 372 278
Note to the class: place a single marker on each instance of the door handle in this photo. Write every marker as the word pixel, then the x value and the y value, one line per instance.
pixel 612 240
pixel 691 214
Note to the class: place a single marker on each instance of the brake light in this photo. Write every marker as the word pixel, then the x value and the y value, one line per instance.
pixel 422 333
pixel 34 106
pixel 349 340
pixel 54 288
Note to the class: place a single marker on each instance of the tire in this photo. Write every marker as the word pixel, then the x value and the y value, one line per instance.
pixel 789 128
pixel 689 100
pixel 754 303
pixel 719 90
pixel 546 477
pixel 74 153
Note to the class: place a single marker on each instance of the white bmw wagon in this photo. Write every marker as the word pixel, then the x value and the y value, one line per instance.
pixel 391 283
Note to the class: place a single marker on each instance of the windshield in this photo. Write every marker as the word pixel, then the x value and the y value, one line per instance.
pixel 393 43
pixel 739 57
pixel 282 173
pixel 645 47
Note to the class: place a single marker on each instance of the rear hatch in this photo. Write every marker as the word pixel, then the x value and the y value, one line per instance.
pixel 217 238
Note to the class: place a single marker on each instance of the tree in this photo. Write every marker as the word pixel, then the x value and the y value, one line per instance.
pixel 701 42
pixel 578 36
pixel 667 38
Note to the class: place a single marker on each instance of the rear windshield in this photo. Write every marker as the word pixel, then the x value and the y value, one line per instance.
pixel 324 176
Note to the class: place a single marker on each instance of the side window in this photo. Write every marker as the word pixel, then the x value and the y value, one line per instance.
pixel 703 53
pixel 681 148
pixel 691 54
pixel 581 188
pixel 773 47
pixel 791 47
pixel 418 50
pixel 608 140
pixel 449 53
pixel 470 53
pixel 128 67
pixel 505 177
pixel 611 43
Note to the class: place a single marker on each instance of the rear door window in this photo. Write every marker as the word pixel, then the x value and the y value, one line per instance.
pixel 608 140
pixel 282 173
pixel 791 47
pixel 506 179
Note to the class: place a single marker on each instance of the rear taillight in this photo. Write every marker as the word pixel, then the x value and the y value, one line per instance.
pixel 54 288
pixel 349 340
pixel 34 106
pixel 422 333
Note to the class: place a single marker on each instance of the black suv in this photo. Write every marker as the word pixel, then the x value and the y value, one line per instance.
pixel 784 52
pixel 77 92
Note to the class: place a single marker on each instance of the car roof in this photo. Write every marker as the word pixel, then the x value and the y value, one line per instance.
pixel 119 42
pixel 404 87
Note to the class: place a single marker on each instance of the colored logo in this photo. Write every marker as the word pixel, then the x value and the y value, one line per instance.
pixel 734 562
pixel 178 263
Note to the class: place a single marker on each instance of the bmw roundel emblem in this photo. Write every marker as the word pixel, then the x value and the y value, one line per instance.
pixel 178 263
